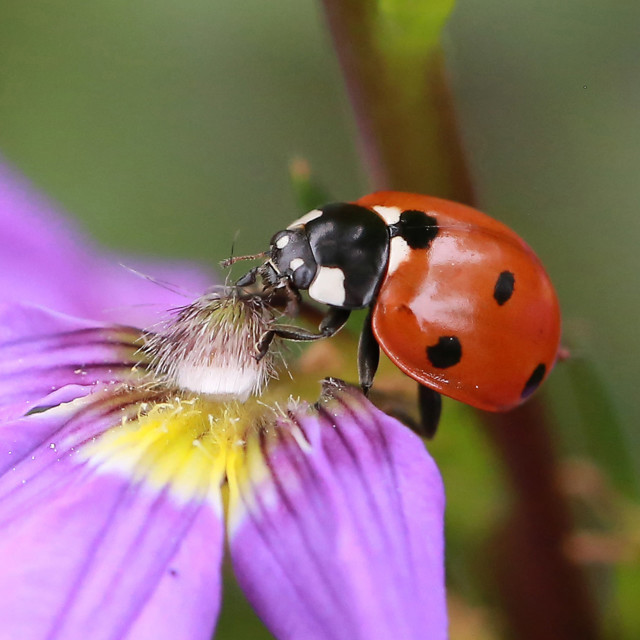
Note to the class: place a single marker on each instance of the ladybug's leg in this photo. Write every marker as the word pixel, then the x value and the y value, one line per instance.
pixel 430 406
pixel 333 321
pixel 429 401
pixel 368 356
pixel 248 278
pixel 293 299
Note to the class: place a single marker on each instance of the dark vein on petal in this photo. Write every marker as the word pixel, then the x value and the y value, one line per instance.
pixel 395 484
pixel 82 333
pixel 298 462
pixel 384 521
pixel 132 404
pixel 271 549
pixel 372 503
pixel 87 561
pixel 40 482
pixel 121 506
pixel 294 455
pixel 189 511
pixel 259 526
pixel 76 416
pixel 108 367
pixel 135 615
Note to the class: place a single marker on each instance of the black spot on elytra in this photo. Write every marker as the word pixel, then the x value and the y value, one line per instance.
pixel 504 287
pixel 534 380
pixel 173 572
pixel 445 353
pixel 417 228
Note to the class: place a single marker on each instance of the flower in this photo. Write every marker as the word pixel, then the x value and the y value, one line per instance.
pixel 123 459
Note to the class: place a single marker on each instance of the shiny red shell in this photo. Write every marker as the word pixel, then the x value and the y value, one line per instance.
pixel 447 294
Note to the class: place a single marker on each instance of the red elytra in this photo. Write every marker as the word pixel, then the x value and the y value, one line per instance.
pixel 474 316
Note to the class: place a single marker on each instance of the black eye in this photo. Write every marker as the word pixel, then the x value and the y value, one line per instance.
pixel 292 256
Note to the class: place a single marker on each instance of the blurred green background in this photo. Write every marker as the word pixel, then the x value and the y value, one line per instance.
pixel 167 129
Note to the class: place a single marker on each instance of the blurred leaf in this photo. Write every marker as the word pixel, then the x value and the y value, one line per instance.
pixel 624 616
pixel 477 497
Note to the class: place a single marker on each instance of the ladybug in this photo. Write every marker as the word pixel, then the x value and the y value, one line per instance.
pixel 456 299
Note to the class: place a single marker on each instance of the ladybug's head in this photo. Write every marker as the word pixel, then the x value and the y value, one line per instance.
pixel 290 258
pixel 338 254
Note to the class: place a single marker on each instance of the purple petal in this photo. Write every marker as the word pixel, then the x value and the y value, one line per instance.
pixel 45 260
pixel 35 442
pixel 337 530
pixel 88 552
pixel 23 321
pixel 60 351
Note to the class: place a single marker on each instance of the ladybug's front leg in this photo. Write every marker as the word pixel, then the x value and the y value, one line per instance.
pixel 293 299
pixel 248 278
pixel 333 321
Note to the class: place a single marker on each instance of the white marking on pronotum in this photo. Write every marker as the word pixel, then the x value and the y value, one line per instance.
pixel 282 242
pixel 328 286
pixel 296 263
pixel 399 251
pixel 307 217
pixel 390 215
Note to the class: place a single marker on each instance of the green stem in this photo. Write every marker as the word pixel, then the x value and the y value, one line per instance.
pixel 545 595
pixel 410 140
pixel 402 105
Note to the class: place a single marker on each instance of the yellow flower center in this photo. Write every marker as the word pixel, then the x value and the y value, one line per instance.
pixel 186 445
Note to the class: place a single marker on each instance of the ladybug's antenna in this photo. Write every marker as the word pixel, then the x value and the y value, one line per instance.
pixel 229 261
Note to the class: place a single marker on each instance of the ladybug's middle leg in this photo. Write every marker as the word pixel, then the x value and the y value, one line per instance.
pixel 430 406
pixel 368 356
pixel 429 401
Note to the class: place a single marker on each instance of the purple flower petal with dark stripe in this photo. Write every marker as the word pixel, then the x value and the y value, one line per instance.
pixel 86 552
pixel 58 354
pixel 340 535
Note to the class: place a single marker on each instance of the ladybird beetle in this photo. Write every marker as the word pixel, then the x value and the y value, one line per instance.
pixel 456 299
